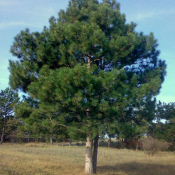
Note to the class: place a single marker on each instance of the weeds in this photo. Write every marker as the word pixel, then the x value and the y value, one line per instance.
pixel 152 146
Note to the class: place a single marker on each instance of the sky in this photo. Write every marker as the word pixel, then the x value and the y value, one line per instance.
pixel 157 16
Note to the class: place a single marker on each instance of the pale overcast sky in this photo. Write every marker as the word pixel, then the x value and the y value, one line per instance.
pixel 157 16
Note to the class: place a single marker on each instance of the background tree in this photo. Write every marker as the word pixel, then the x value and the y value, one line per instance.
pixel 86 68
pixel 8 101
pixel 136 119
pixel 163 128
pixel 14 132
pixel 133 122
pixel 40 119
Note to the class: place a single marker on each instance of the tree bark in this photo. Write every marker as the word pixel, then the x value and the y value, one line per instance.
pixel 95 152
pixel 91 154
pixel 88 158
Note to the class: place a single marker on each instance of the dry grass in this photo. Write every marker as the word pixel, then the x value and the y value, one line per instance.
pixel 36 159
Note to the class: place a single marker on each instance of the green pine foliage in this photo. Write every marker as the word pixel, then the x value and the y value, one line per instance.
pixel 8 101
pixel 164 127
pixel 86 68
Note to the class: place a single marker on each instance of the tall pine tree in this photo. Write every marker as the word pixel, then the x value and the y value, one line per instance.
pixel 86 68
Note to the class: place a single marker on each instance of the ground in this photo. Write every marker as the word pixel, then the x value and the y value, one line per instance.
pixel 42 159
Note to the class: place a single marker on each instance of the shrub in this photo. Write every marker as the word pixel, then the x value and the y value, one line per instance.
pixel 171 147
pixel 152 146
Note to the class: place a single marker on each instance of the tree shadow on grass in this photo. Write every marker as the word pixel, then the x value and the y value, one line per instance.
pixel 135 168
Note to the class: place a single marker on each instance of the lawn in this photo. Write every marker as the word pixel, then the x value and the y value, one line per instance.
pixel 42 159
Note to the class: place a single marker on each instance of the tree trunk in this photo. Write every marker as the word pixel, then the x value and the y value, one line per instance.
pixel 36 139
pixel 122 143
pixel 137 145
pixel 88 158
pixel 95 152
pixel 28 138
pixel 2 135
pixel 70 141
pixel 63 142
pixel 51 139
pixel 109 142
pixel 3 131
pixel 91 157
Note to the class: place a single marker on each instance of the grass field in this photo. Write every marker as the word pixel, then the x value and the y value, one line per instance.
pixel 57 160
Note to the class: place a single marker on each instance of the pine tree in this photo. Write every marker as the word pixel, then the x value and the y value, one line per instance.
pixel 164 127
pixel 8 101
pixel 86 68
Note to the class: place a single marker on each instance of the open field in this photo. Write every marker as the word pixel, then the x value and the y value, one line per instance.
pixel 57 160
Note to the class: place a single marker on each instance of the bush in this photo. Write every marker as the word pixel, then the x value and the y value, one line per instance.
pixel 152 146
pixel 171 147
